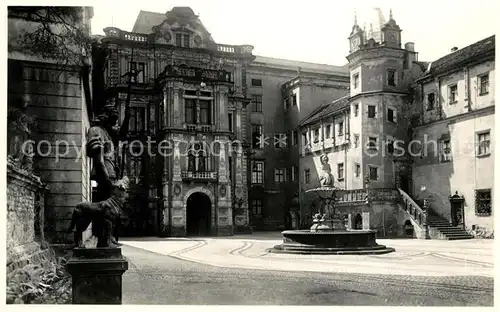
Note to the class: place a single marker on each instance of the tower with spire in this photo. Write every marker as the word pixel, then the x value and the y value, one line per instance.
pixel 377 65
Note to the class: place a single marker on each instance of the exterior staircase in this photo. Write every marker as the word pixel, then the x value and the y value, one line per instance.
pixel 440 228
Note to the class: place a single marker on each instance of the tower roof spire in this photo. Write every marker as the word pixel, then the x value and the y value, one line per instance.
pixel 355 18
pixel 390 13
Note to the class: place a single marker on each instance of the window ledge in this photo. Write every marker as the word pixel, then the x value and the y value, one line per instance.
pixel 484 93
pixel 483 155
pixel 483 214
pixel 454 102
pixel 340 179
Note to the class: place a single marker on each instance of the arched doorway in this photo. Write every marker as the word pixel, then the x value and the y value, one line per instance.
pixel 408 228
pixel 358 222
pixel 198 215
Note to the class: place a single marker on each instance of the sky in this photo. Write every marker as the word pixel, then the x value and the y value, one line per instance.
pixel 317 30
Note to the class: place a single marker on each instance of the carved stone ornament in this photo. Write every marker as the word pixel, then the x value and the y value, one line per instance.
pixel 177 190
pixel 197 40
pixel 222 190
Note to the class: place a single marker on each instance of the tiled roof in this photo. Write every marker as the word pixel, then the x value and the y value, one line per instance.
pixel 456 58
pixel 146 21
pixel 306 66
pixel 326 110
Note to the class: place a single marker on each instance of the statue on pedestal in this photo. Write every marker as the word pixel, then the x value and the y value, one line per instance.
pixel 326 177
pixel 111 191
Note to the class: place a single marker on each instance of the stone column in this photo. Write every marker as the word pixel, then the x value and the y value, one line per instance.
pixel 238 121
pixel 178 101
pixel 366 220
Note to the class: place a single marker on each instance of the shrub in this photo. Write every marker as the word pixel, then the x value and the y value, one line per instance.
pixel 45 283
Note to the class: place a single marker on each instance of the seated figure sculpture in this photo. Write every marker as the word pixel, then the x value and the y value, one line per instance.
pixel 326 177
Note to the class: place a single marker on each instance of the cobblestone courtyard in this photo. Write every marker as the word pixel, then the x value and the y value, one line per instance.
pixel 237 270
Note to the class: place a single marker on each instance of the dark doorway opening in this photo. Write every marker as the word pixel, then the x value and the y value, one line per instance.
pixel 404 184
pixel 198 215
pixel 408 228
pixel 358 222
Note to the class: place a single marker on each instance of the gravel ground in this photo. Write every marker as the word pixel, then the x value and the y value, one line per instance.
pixel 158 279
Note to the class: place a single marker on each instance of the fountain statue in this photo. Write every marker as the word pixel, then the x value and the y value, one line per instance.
pixel 328 234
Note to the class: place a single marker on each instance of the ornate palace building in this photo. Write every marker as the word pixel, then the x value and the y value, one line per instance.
pixel 242 134
pixel 188 99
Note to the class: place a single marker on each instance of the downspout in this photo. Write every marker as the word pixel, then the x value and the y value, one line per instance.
pixel 347 134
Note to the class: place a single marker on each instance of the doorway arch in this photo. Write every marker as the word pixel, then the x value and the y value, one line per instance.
pixel 358 222
pixel 408 229
pixel 198 214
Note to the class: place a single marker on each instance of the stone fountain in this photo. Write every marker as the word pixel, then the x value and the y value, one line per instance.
pixel 328 234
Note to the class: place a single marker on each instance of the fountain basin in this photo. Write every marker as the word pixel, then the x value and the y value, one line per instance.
pixel 339 242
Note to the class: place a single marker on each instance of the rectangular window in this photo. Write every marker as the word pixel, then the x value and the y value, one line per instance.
pixel 356 140
pixel 445 150
pixel 230 122
pixel 391 116
pixel 373 173
pixel 356 110
pixel 483 140
pixel 256 136
pixel 307 176
pixel 371 111
pixel 257 103
pixel 328 131
pixel 452 94
pixel 287 103
pixel 357 170
pixel 257 82
pixel 279 175
pixel 258 172
pixel 341 128
pixel 316 135
pixel 372 143
pixel 257 207
pixel 137 119
pixel 391 77
pixel 294 173
pixel 431 98
pixel 484 84
pixel 190 111
pixel 390 146
pixel 355 80
pixel 483 202
pixel 205 112
pixel 178 40
pixel 186 41
pixel 340 171
pixel 294 100
pixel 295 137
pixel 280 140
pixel 230 164
pixel 304 138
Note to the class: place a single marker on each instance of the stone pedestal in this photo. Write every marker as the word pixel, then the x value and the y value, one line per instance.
pixel 97 275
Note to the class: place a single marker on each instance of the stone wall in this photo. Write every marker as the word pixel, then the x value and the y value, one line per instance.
pixel 25 206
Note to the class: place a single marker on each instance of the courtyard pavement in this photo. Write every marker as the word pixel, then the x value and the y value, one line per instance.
pixel 412 257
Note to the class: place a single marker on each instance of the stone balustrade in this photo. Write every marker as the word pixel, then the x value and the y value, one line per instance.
pixel 113 32
pixel 376 194
pixel 418 214
pixel 199 175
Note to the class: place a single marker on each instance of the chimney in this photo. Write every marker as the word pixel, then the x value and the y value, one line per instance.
pixel 454 49
pixel 411 55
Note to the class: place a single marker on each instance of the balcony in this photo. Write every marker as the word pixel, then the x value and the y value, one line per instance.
pixel 199 176
pixel 199 128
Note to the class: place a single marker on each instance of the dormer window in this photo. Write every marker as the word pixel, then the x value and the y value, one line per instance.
pixel 182 40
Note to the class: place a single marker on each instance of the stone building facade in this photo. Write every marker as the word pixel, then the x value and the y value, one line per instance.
pixel 455 106
pixel 190 101
pixel 396 100
pixel 291 89
pixel 55 98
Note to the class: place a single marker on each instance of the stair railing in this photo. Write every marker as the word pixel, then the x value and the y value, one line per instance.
pixel 418 214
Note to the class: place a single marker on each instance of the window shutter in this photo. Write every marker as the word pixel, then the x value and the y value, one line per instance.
pixel 395 116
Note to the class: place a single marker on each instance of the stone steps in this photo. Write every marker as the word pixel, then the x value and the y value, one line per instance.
pixel 440 228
